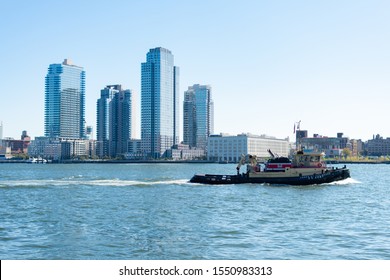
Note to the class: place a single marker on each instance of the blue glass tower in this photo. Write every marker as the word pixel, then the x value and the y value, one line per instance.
pixel 198 116
pixel 159 103
pixel 113 121
pixel 103 119
pixel 120 122
pixel 65 101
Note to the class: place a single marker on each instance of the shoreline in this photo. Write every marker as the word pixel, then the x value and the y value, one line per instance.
pixel 170 162
pixel 109 161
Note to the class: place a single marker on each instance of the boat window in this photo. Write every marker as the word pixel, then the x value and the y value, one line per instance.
pixel 314 158
pixel 301 159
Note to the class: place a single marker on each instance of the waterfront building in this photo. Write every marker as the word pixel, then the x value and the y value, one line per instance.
pixel 185 152
pixel 198 116
pixel 331 146
pixel 120 122
pixel 228 148
pixel 378 146
pixel 65 101
pixel 103 119
pixel 38 145
pixel 134 150
pixel 113 121
pixel 300 134
pixel 356 147
pixel 5 152
pixel 159 103
pixel 61 148
pixel 16 146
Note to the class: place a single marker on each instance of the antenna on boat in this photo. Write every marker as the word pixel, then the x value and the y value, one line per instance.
pixel 271 153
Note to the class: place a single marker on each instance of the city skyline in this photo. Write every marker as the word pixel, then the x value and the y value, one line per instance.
pixel 323 63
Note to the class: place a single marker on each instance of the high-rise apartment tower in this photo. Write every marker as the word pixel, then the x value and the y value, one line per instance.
pixel 65 101
pixel 120 122
pixel 159 103
pixel 198 116
pixel 103 120
pixel 113 121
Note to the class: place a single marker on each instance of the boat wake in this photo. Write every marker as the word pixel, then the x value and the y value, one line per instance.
pixel 77 181
pixel 348 181
pixel 124 183
pixel 104 182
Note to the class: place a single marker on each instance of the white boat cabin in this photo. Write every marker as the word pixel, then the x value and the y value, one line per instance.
pixel 308 160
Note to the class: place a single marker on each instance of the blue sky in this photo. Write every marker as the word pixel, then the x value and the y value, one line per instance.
pixel 270 63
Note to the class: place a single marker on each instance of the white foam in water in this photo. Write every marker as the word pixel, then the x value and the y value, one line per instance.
pixel 348 181
pixel 117 182
pixel 106 182
pixel 30 183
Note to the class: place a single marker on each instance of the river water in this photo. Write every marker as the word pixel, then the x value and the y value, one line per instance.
pixel 151 211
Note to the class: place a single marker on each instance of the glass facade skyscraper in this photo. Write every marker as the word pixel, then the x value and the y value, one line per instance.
pixel 65 101
pixel 159 103
pixel 120 122
pixel 198 116
pixel 113 121
pixel 103 119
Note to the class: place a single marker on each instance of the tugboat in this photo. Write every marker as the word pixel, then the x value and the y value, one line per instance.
pixel 304 169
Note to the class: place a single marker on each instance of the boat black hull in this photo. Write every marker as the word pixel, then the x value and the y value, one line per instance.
pixel 327 177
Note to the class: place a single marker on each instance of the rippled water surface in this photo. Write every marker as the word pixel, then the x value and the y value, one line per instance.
pixel 150 211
